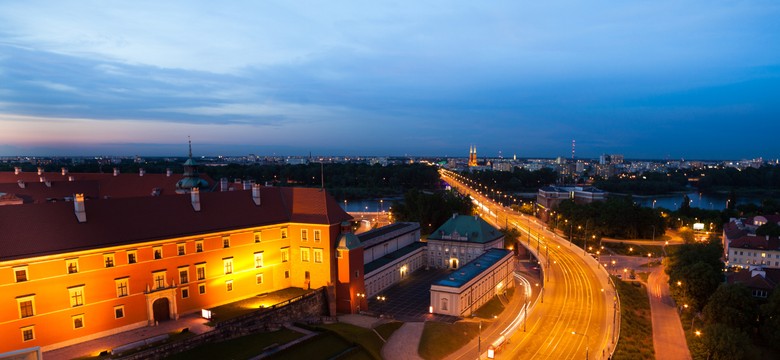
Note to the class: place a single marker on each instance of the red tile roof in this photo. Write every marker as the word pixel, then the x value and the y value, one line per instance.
pixel 756 242
pixel 746 277
pixel 51 228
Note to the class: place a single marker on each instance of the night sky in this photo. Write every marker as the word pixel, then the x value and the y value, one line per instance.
pixel 647 79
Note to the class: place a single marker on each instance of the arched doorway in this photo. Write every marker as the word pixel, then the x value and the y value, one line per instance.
pixel 161 309
pixel 454 263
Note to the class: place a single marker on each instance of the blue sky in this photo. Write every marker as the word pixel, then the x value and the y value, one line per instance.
pixel 648 79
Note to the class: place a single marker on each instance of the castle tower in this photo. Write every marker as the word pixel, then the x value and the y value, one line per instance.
pixel 350 285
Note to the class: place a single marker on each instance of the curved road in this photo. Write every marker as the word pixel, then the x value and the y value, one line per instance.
pixel 576 297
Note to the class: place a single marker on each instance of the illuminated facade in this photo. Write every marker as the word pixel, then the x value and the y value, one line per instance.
pixel 472 156
pixel 461 239
pixel 75 271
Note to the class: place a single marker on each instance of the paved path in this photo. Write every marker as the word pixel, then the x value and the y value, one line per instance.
pixel 668 336
pixel 404 342
pixel 193 322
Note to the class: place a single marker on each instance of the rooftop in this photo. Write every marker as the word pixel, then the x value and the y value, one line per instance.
pixel 469 271
pixel 395 255
pixel 466 228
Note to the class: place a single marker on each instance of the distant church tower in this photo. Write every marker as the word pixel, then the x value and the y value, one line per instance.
pixel 472 155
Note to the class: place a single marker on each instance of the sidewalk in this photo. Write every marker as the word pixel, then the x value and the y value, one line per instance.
pixel 193 322
pixel 404 342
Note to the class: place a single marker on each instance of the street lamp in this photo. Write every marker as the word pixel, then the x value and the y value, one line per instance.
pixel 587 341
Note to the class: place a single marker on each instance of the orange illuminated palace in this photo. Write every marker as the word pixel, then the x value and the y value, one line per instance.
pixel 76 270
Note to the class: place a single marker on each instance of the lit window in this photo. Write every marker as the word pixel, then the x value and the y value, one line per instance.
pixel 227 264
pixel 199 246
pixel 180 249
pixel 108 260
pixel 76 295
pixel 119 312
pixel 28 333
pixel 304 235
pixel 200 271
pixel 20 273
pixel 72 265
pixel 26 306
pixel 257 237
pixel 201 289
pixel 185 293
pixel 318 255
pixel 285 254
pixel 305 254
pixel 284 233
pixel 132 257
pixel 229 285
pixel 317 235
pixel 158 253
pixel 122 287
pixel 78 321
pixel 259 279
pixel 184 276
pixel 259 259
pixel 226 242
pixel 159 279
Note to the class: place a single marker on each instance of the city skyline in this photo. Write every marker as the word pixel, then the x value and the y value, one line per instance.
pixel 654 80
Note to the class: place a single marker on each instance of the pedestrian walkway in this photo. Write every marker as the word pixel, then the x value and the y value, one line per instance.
pixel 668 335
pixel 404 342
pixel 192 322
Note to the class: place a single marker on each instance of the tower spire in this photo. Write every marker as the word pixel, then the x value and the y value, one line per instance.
pixel 189 140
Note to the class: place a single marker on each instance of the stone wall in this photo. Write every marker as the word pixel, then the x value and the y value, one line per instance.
pixel 312 305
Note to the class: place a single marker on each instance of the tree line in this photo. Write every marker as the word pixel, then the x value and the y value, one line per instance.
pixel 617 217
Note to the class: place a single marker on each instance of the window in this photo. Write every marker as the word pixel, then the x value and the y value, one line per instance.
pixel 227 264
pixel 184 275
pixel 78 321
pixel 226 242
pixel 284 233
pixel 285 254
pixel 158 252
pixel 287 274
pixel 304 235
pixel 201 289
pixel 72 265
pixel 132 257
pixel 305 254
pixel 28 333
pixel 108 260
pixel 357 274
pixel 229 285
pixel 257 237
pixel 200 271
pixel 185 293
pixel 444 304
pixel 119 312
pixel 339 254
pixel 76 294
pixel 259 279
pixel 122 286
pixel 199 246
pixel 180 249
pixel 318 255
pixel 20 273
pixel 259 259
pixel 159 279
pixel 26 306
pixel 317 236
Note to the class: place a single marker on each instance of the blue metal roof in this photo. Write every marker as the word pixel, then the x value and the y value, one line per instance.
pixel 471 270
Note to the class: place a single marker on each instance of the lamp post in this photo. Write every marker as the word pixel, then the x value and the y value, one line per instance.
pixel 587 341
pixel 381 300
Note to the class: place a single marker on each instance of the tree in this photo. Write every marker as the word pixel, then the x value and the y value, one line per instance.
pixel 685 206
pixel 732 305
pixel 720 342
pixel 770 316
pixel 687 235
pixel 770 228
pixel 695 271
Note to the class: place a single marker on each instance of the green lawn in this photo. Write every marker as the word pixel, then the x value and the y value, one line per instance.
pixel 636 331
pixel 248 305
pixel 387 329
pixel 244 347
pixel 365 337
pixel 322 346
pixel 440 339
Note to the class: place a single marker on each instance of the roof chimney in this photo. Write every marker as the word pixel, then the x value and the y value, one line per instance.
pixel 78 205
pixel 247 185
pixel 71 178
pixel 256 194
pixel 223 184
pixel 195 198
pixel 454 215
pixel 48 183
pixel 64 171
pixel 168 172
pixel 17 170
pixel 141 172
pixel 21 183
pixel 40 171
pixel 116 172
pixel 42 179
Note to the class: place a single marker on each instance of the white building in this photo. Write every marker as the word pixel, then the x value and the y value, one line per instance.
pixel 461 239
